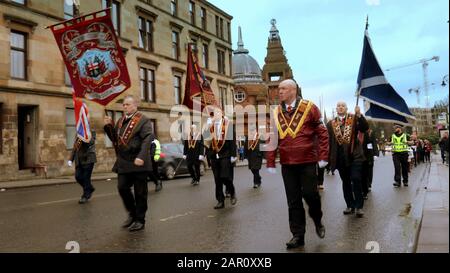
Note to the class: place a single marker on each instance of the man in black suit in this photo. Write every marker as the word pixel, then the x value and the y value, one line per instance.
pixel 83 155
pixel 222 155
pixel 254 155
pixel 132 137
pixel 193 153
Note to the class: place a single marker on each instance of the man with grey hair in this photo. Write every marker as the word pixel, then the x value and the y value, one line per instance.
pixel 303 144
pixel 346 136
pixel 132 136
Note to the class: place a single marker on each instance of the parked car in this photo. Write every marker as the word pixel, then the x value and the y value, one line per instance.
pixel 172 158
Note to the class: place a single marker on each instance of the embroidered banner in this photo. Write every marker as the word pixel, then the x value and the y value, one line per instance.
pixel 93 56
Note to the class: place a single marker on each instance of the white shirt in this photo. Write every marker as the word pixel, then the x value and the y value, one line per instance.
pixel 292 105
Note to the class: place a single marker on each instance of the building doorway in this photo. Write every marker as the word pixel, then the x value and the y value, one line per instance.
pixel 27 136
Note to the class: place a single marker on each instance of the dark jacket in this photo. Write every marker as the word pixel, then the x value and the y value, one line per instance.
pixel 254 157
pixel 309 146
pixel 229 148
pixel 85 154
pixel 344 152
pixel 192 154
pixel 370 147
pixel 138 146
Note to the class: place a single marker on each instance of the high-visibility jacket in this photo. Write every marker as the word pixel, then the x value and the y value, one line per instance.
pixel 399 143
pixel 157 154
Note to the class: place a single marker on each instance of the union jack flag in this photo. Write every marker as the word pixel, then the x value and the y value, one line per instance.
pixel 81 120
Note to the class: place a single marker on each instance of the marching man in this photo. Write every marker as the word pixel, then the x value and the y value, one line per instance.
pixel 194 152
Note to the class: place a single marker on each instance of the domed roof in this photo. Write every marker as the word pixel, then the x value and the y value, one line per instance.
pixel 245 68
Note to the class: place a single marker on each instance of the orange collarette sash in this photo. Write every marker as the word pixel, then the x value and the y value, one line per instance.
pixel 129 130
pixel 252 143
pixel 345 137
pixel 217 145
pixel 291 126
pixel 192 142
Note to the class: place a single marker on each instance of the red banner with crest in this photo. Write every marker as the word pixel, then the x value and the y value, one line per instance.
pixel 93 56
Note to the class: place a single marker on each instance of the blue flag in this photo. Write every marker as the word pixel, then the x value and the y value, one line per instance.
pixel 382 101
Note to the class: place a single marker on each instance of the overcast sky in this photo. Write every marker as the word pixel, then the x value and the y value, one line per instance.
pixel 323 40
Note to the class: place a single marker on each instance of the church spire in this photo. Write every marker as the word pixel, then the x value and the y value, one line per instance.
pixel 274 33
pixel 241 49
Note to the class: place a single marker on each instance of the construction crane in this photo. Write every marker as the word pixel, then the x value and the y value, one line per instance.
pixel 425 63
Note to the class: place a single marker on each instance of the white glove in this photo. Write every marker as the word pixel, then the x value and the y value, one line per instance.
pixel 322 164
pixel 233 159
pixel 69 163
pixel 272 170
pixel 184 157
pixel 200 157
pixel 375 158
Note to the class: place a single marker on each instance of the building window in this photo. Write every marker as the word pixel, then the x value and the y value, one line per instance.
pixel 203 16
pixel 174 7
pixel 177 88
pixel 229 31
pixel 230 64
pixel 21 2
pixel 147 84
pixel 239 96
pixel 223 96
pixel 221 28
pixel 1 128
pixel 194 47
pixel 115 13
pixel 153 123
pixel 18 55
pixel 70 128
pixel 217 26
pixel 145 33
pixel 115 115
pixel 69 9
pixel 220 61
pixel 205 56
pixel 192 12
pixel 175 45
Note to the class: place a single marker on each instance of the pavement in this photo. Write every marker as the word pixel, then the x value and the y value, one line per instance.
pixel 434 231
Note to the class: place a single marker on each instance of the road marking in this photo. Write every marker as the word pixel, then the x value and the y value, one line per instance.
pixel 176 216
pixel 74 199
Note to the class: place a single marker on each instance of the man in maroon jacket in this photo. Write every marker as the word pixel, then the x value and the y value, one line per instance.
pixel 302 142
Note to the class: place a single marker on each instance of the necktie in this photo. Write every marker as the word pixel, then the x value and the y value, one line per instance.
pixel 289 109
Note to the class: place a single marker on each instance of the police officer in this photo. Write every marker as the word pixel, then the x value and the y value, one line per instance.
pixel 399 142
pixel 155 152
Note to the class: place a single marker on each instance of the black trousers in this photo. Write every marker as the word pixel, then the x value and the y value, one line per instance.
pixel 352 181
pixel 256 176
pixel 401 166
pixel 194 170
pixel 154 174
pixel 300 181
pixel 320 175
pixel 83 175
pixel 136 204
pixel 223 172
pixel 367 177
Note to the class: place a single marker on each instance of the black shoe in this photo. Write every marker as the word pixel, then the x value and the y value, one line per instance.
pixel 359 213
pixel 128 222
pixel 193 182
pixel 295 242
pixel 83 200
pixel 227 195
pixel 220 205
pixel 405 183
pixel 255 186
pixel 320 230
pixel 365 197
pixel 90 194
pixel 196 183
pixel 233 200
pixel 397 185
pixel 348 211
pixel 158 187
pixel 136 226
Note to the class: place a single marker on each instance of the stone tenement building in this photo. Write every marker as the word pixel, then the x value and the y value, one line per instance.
pixel 36 109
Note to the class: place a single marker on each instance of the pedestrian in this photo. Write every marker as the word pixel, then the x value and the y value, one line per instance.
pixel 254 155
pixel 399 142
pixel 346 133
pixel 132 136
pixel 155 155
pixel 302 141
pixel 193 153
pixel 371 154
pixel 84 157
pixel 414 145
pixel 222 155
pixel 428 148
pixel 421 151
pixel 442 146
